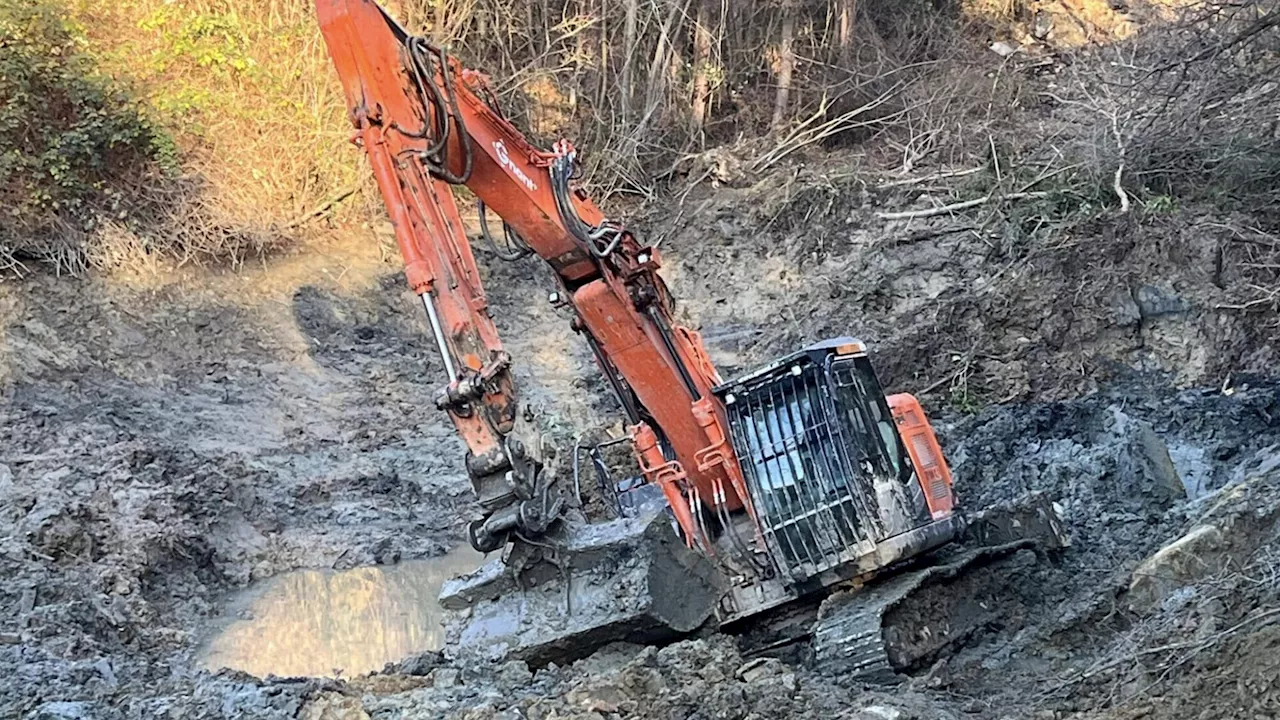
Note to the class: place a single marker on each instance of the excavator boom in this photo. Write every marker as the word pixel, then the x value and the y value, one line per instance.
pixel 426 124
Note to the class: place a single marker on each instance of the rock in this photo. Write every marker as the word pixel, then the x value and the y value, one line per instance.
pixel 418 665
pixel 882 712
pixel 600 698
pixel 1182 562
pixel 1154 302
pixel 334 706
pixel 27 601
pixel 1003 49
pixel 514 674
pixel 1144 462
pixel 63 710
pixel 103 666
pixel 1124 310
pixel 1042 26
pixel 445 677
pixel 760 668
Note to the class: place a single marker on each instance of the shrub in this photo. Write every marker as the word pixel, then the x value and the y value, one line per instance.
pixel 70 138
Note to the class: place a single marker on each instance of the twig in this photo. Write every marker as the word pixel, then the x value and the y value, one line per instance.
pixel 805 135
pixel 1270 297
pixel 323 209
pixel 928 178
pixel 953 207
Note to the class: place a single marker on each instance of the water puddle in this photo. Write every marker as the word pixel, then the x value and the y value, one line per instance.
pixel 324 623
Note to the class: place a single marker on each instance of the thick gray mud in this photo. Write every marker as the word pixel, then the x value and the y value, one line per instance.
pixel 164 446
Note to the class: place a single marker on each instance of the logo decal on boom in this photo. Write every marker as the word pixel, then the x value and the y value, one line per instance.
pixel 504 160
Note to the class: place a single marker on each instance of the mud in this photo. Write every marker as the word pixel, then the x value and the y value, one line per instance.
pixel 1071 633
pixel 167 442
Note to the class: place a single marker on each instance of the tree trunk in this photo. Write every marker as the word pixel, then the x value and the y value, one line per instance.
pixel 702 34
pixel 628 52
pixel 602 40
pixel 848 10
pixel 786 65
pixel 663 66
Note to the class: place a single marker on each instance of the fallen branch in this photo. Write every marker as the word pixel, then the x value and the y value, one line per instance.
pixel 954 207
pixel 804 134
pixel 1270 296
pixel 928 178
pixel 322 210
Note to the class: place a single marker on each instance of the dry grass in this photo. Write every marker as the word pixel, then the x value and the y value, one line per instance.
pixel 247 90
pixel 246 93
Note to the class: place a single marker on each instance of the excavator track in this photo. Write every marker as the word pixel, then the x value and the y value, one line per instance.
pixel 847 638
pixel 872 633
pixel 898 623
pixel 908 615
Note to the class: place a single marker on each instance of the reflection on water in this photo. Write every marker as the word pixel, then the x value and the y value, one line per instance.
pixel 316 622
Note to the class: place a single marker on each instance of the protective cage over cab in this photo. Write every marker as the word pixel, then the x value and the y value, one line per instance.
pixel 843 480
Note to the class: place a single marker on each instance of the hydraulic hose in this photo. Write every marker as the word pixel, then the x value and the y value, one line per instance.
pixel 522 249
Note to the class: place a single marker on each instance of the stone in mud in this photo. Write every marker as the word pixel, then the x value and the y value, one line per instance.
pixel 1124 310
pixel 1144 464
pixel 419 665
pixel 514 674
pixel 1182 562
pixel 63 710
pixel 759 668
pixel 1153 302
pixel 881 712
pixel 445 677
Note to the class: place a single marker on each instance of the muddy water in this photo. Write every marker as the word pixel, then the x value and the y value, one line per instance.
pixel 326 623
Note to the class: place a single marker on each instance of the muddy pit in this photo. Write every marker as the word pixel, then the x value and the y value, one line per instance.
pixel 326 623
pixel 178 453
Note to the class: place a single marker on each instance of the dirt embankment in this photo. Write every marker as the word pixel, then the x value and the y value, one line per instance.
pixel 953 309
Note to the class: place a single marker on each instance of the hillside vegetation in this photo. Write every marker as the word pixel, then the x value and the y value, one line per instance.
pixel 146 130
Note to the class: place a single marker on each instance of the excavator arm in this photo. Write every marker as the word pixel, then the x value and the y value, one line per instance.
pixel 426 125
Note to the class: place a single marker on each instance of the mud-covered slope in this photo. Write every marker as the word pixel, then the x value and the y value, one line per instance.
pixel 162 445
pixel 167 440
pixel 968 309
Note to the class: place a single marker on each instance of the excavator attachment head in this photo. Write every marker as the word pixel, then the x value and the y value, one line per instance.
pixel 581 587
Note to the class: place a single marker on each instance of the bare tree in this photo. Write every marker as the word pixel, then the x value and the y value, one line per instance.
pixel 628 54
pixel 786 64
pixel 702 38
pixel 846 15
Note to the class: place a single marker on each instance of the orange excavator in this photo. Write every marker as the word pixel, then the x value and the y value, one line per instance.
pixel 751 495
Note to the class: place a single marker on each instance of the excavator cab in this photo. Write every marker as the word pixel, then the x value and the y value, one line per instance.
pixel 827 469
